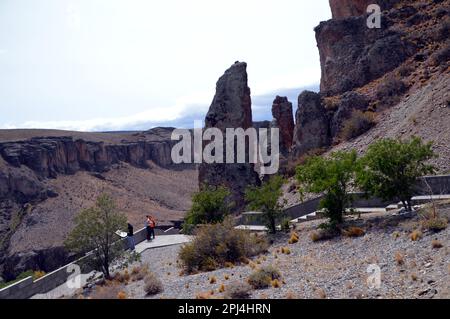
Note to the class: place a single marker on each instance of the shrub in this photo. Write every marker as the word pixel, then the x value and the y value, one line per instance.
pixel 212 280
pixel 416 235
pixel 122 277
pixel 391 168
pixel 139 272
pixel 38 274
pixel 399 258
pixel 215 245
pixel 436 244
pixel 109 291
pixel 222 288
pixel 332 177
pixel 285 225
pixel 354 232
pixel 435 224
pixel 294 238
pixel 285 250
pixel 267 199
pixel 359 123
pixel 390 91
pixel 262 278
pixel 441 56
pixel 275 283
pixel 152 284
pixel 323 234
pixel 238 290
pixel 95 229
pixel 209 205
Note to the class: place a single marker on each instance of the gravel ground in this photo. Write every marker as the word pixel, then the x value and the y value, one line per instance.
pixel 335 268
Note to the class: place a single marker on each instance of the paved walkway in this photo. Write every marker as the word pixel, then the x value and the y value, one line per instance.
pixel 159 241
pixel 162 241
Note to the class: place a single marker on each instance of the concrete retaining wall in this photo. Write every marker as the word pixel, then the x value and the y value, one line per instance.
pixel 438 184
pixel 28 287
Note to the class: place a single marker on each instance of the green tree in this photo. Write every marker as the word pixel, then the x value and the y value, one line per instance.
pixel 390 169
pixel 332 177
pixel 94 231
pixel 210 205
pixel 267 199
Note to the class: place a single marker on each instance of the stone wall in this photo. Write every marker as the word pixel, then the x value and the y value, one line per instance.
pixel 28 287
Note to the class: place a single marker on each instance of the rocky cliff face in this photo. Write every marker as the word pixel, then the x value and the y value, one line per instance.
pixel 28 167
pixel 49 156
pixel 342 9
pixel 230 108
pixel 352 55
pixel 370 70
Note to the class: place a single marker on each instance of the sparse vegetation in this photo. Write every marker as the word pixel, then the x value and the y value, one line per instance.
pixel 416 235
pixel 333 177
pixel 152 284
pixel 354 231
pixel 390 90
pixel 399 258
pixel 435 224
pixel 263 277
pixel 294 238
pixel 436 244
pixel 267 199
pixel 391 168
pixel 214 245
pixel 238 290
pixel 95 229
pixel 359 123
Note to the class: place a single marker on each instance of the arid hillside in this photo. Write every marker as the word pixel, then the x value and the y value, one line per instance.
pixel 46 180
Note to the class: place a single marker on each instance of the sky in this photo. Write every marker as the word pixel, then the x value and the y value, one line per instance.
pixel 110 65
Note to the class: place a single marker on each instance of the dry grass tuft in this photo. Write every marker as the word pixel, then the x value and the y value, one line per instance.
pixel 212 280
pixel 121 295
pixel 416 235
pixel 399 258
pixel 238 290
pixel 275 283
pixel 285 250
pixel 354 232
pixel 294 238
pixel 436 244
pixel 152 284
pixel 222 288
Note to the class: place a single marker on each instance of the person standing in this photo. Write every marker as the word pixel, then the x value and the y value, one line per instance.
pixel 152 224
pixel 130 237
pixel 147 227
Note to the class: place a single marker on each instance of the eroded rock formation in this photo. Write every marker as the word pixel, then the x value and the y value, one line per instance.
pixel 284 120
pixel 311 124
pixel 230 108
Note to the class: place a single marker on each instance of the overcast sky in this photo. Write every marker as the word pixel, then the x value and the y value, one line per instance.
pixel 98 65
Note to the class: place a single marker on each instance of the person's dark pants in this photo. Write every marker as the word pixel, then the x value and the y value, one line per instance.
pixel 152 232
pixel 149 231
pixel 131 242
